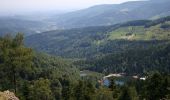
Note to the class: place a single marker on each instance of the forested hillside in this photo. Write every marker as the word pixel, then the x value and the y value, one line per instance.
pixel 36 76
pixel 31 75
pixel 132 61
pixel 98 41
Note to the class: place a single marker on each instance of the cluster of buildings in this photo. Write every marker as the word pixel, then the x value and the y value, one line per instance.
pixel 105 80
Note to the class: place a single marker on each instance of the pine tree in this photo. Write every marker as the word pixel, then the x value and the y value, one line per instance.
pixel 15 58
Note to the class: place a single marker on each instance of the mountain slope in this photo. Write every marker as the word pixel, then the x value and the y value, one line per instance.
pixel 113 13
pixel 132 61
pixel 102 40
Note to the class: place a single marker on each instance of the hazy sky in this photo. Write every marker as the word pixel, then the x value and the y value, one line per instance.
pixel 45 5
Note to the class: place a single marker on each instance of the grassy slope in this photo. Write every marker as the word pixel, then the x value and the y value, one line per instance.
pixel 141 33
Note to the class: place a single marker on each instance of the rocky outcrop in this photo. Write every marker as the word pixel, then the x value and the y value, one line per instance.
pixel 7 95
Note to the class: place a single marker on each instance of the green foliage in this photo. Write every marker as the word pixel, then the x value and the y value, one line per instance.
pixel 40 90
pixel 15 58
pixel 125 95
pixel 56 89
pixel 165 26
pixel 133 93
pixel 132 61
pixel 84 91
pixel 156 87
pixel 158 21
pixel 34 76
pixel 104 94
pixel 91 42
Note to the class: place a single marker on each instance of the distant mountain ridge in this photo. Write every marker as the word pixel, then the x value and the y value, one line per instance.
pixel 113 13
pixel 99 15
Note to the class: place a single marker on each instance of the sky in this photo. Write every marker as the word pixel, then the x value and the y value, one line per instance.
pixel 12 6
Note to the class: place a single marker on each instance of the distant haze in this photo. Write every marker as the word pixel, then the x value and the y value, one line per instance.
pixel 16 6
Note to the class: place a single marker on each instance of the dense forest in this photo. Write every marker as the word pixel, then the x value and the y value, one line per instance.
pixel 131 61
pixel 98 41
pixel 37 76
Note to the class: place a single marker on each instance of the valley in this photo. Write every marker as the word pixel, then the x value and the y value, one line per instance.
pixel 104 52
